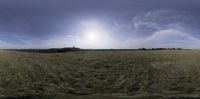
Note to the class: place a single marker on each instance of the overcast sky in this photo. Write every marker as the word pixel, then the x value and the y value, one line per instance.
pixel 99 23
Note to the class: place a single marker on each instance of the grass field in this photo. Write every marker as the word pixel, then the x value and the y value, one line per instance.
pixel 100 73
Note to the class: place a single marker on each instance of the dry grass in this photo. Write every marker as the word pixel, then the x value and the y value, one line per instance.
pixel 100 73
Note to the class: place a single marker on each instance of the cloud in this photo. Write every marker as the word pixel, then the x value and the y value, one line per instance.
pixel 171 38
pixel 163 19
pixel 5 45
pixel 161 28
pixel 158 28
pixel 168 38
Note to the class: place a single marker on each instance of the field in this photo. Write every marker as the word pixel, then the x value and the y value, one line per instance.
pixel 122 74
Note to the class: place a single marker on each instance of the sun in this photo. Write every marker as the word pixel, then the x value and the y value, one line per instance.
pixel 92 32
pixel 93 35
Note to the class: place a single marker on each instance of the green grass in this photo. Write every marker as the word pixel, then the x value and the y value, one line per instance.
pixel 100 73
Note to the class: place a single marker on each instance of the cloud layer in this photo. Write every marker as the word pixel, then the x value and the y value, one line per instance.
pixel 124 24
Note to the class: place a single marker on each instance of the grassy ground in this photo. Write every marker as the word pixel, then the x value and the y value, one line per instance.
pixel 104 73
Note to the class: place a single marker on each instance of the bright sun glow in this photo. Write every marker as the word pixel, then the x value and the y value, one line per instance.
pixel 93 35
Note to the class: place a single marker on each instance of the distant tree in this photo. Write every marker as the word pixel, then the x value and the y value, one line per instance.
pixel 179 48
pixel 142 48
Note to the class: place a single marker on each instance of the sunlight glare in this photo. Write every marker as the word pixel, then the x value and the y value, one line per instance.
pixel 93 34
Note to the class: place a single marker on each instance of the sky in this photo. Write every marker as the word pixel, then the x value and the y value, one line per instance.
pixel 99 23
